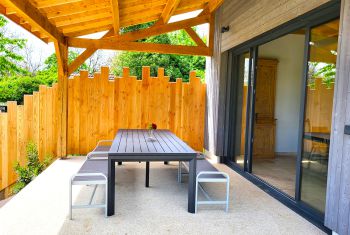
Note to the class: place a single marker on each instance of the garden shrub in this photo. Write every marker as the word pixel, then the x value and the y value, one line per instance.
pixel 32 169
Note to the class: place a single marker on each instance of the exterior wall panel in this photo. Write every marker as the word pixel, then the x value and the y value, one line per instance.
pixel 337 215
pixel 250 18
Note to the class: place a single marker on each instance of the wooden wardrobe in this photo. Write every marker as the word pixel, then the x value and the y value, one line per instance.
pixel 265 122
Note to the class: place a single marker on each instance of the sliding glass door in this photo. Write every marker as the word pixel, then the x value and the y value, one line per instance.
pixel 277 110
pixel 281 99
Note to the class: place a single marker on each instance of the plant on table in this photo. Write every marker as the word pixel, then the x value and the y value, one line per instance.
pixel 32 169
pixel 151 127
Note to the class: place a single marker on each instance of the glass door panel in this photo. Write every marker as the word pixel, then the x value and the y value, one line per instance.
pixel 277 110
pixel 318 113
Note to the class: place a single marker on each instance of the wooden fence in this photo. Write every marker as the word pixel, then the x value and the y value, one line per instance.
pixel 97 108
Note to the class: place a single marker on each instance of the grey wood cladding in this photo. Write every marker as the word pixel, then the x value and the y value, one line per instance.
pixel 250 18
pixel 337 215
pixel 213 91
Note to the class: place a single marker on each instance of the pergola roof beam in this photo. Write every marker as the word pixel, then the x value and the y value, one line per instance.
pixel 33 16
pixel 115 16
pixel 214 4
pixel 195 37
pixel 168 11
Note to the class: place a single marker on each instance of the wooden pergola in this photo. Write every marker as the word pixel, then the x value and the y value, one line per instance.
pixel 64 21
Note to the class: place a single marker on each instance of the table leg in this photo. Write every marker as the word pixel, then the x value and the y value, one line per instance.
pixel 120 163
pixel 147 174
pixel 166 163
pixel 111 187
pixel 192 185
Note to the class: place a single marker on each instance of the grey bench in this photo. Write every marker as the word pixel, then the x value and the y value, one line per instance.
pixel 206 172
pixel 92 172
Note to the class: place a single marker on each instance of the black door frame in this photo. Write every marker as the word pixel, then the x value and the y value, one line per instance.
pixel 320 15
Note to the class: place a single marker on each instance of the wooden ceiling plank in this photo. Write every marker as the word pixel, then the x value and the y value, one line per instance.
pixel 75 8
pixel 87 25
pixel 53 3
pixel 115 15
pixel 82 18
pixel 89 31
pixel 33 15
pixel 195 37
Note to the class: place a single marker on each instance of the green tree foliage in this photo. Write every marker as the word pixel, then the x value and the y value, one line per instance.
pixel 13 88
pixel 8 57
pixel 176 66
pixel 51 62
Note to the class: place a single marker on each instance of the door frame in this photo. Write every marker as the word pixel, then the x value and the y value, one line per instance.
pixel 320 15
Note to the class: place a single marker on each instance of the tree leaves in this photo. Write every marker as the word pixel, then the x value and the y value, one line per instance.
pixel 8 57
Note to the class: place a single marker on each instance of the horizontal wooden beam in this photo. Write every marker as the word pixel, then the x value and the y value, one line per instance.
pixel 32 14
pixel 145 47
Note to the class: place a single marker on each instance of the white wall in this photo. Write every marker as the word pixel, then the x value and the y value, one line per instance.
pixel 289 51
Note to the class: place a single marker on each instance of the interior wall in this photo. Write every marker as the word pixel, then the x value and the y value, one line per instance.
pixel 289 51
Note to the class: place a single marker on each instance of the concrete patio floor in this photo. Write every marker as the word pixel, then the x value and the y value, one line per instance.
pixel 42 207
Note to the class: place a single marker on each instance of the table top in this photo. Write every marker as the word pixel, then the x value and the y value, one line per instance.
pixel 135 142
pixel 318 136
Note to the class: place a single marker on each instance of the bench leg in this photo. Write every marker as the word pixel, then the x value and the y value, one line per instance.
pixel 70 200
pixel 106 199
pixel 147 175
pixel 166 163
pixel 120 163
pixel 196 199
pixel 227 194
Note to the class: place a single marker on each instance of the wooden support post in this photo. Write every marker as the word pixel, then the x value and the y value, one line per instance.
pixel 62 61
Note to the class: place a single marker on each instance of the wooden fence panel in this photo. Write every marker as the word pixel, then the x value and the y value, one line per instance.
pixel 97 108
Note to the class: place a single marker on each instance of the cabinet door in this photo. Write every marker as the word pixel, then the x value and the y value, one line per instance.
pixel 265 88
pixel 264 141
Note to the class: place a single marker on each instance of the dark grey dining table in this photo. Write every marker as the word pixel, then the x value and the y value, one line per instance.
pixel 134 145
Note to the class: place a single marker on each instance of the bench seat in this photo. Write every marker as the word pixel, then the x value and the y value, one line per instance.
pixel 205 165
pixel 92 166
pixel 92 172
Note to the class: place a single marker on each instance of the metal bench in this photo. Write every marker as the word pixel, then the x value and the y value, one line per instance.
pixel 92 172
pixel 206 172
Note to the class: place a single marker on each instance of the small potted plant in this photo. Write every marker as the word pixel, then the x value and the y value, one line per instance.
pixel 151 128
